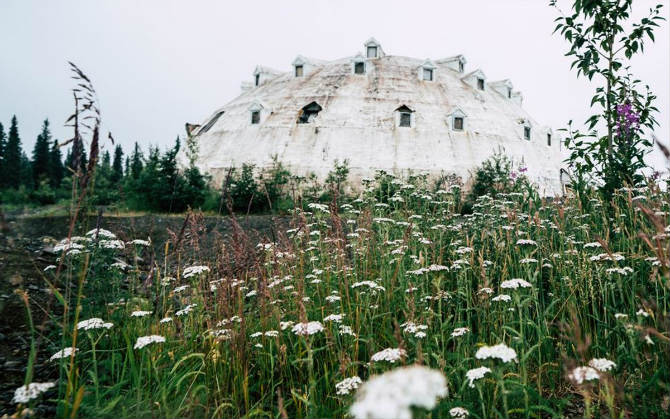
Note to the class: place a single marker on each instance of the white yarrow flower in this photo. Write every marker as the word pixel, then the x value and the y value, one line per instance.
pixel 581 374
pixel 500 351
pixel 458 413
pixel 347 385
pixel 140 313
pixel 195 270
pixel 26 393
pixel 94 323
pixel 459 331
pixel 63 353
pixel 392 394
pixel 602 364
pixel 515 283
pixel 476 374
pixel 309 328
pixel 389 354
pixel 147 340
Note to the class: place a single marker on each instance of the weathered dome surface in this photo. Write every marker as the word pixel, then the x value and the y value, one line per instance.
pixel 359 122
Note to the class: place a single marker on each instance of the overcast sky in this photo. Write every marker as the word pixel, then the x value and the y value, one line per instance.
pixel 157 64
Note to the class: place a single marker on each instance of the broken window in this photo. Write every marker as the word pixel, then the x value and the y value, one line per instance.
pixel 480 84
pixel 255 117
pixel 308 113
pixel 211 122
pixel 258 79
pixel 372 52
pixel 526 133
pixel 298 70
pixel 549 140
pixel 428 74
pixel 359 68
pixel 458 123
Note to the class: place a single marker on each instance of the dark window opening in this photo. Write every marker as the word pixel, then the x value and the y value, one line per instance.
pixel 509 93
pixel 308 113
pixel 359 68
pixel 480 84
pixel 372 52
pixel 298 71
pixel 526 133
pixel 428 74
pixel 211 122
pixel 258 79
pixel 461 67
pixel 255 117
pixel 458 123
pixel 549 140
pixel 405 119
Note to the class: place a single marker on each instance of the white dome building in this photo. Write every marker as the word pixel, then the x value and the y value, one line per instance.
pixel 399 114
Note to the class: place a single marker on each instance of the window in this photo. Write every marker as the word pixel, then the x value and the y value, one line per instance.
pixel 428 74
pixel 549 140
pixel 461 66
pixel 480 84
pixel 308 113
pixel 372 52
pixel 526 133
pixel 298 71
pixel 255 117
pixel 405 119
pixel 211 122
pixel 359 68
pixel 458 123
pixel 509 93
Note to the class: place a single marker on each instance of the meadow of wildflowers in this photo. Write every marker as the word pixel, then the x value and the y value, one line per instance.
pixel 389 305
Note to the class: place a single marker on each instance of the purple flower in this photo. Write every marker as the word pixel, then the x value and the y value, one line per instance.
pixel 628 120
pixel 523 169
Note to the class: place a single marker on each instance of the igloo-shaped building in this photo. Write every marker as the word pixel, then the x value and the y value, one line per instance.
pixel 377 111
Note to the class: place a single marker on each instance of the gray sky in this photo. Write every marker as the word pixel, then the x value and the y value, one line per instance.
pixel 157 64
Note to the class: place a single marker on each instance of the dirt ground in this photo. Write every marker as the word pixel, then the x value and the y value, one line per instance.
pixel 25 250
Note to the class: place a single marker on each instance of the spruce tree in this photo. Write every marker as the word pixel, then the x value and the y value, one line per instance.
pixel 56 169
pixel 117 165
pixel 136 164
pixel 41 158
pixel 3 148
pixel 12 162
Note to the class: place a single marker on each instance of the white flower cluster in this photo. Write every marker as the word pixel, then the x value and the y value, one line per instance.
pixel 515 283
pixel 526 242
pixel 370 284
pixel 94 323
pixel 459 413
pixel 459 331
pixel 392 394
pixel 476 374
pixel 502 297
pixel 139 242
pixel 389 354
pixel 63 353
pixel 309 328
pixel 111 244
pixel 347 385
pixel 147 340
pixel 26 393
pixel 500 351
pixel 195 270
pixel 337 318
pixel 602 364
pixel 140 313
pixel 581 374
pixel 184 311
pixel 101 232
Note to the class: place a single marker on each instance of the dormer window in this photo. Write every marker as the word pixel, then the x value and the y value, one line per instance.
pixel 308 113
pixel 372 52
pixel 299 70
pixel 257 79
pixel 549 139
pixel 480 83
pixel 359 68
pixel 428 74
pixel 404 118
pixel 255 117
pixel 526 132
pixel 457 119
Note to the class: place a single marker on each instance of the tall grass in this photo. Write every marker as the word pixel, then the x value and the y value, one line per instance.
pixel 599 289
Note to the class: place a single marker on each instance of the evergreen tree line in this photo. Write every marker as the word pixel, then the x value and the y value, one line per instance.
pixel 149 182
pixel 133 182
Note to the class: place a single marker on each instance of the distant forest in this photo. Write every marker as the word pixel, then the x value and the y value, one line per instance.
pixel 151 181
